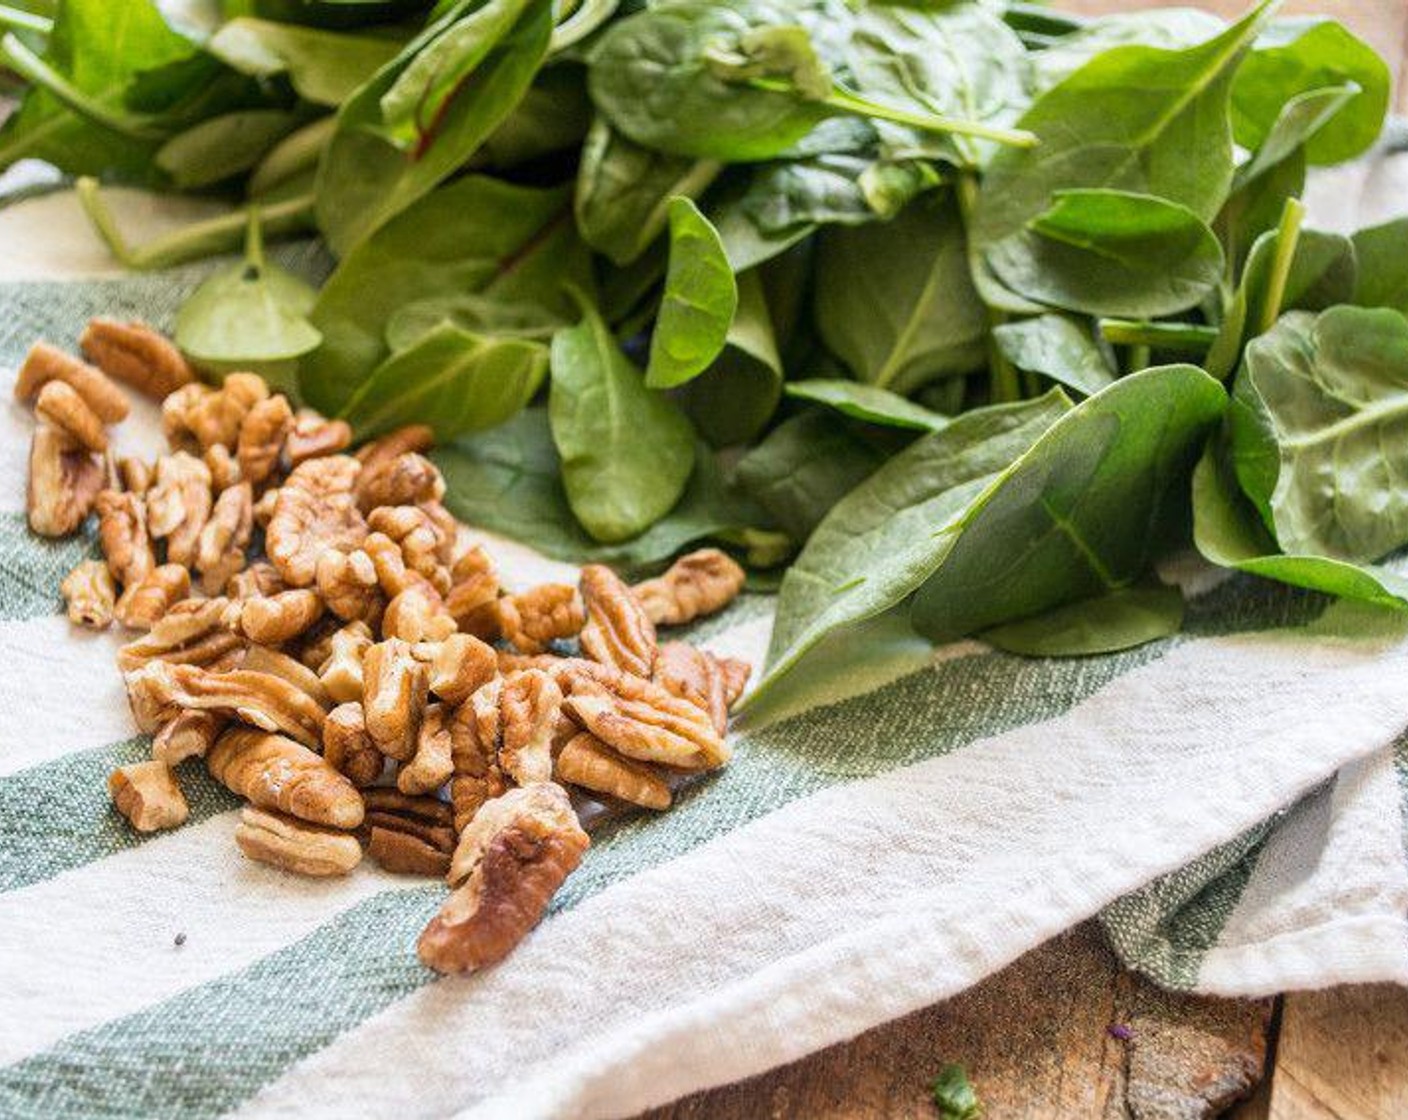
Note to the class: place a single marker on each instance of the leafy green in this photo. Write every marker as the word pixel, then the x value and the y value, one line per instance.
pixel 1083 512
pixel 698 306
pixel 1381 253
pixel 954 1095
pixel 885 538
pixel 510 244
pixel 835 187
pixel 895 302
pixel 1059 347
pixel 325 67
pixel 1120 619
pixel 1228 532
pixel 626 450
pixel 1164 28
pixel 1319 431
pixel 223 146
pixel 454 380
pixel 867 402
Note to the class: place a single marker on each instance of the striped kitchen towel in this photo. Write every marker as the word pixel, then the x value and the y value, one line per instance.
pixel 904 822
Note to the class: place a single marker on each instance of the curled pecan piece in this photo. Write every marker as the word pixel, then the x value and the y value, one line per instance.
pixel 423 542
pixel 261 438
pixel 430 767
pixel 224 468
pixel 618 631
pixel 315 512
pixel 220 550
pixel 341 673
pixel 90 594
pixel 461 665
pixel 589 763
pixel 348 748
pixel 64 480
pixel 274 619
pixel 295 845
pixel 474 592
pixel 474 741
pixel 145 602
pixel 258 579
pixel 265 506
pixel 189 735
pixel 178 505
pixel 347 581
pixel 61 405
pixel 146 794
pixel 509 863
pixel 417 614
pixel 262 659
pixel 45 363
pixel 135 474
pixel 411 437
pixel 274 772
pixel 547 613
pixel 528 705
pixel 122 533
pixel 135 353
pixel 408 835
pixel 313 436
pixel 196 417
pixel 700 583
pixel 261 699
pixel 641 720
pixel 394 684
pixel 697 676
pixel 400 481
pixel 192 632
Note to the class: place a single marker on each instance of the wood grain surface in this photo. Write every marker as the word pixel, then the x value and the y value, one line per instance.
pixel 1035 1037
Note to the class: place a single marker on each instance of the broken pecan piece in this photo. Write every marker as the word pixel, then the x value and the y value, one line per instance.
pixel 618 631
pixel 274 772
pixel 474 741
pixel 315 512
pixel 144 603
pixel 135 474
pixel 146 794
pixel 509 863
pixel 268 702
pixel 224 468
pixel 295 845
pixel 474 592
pixel 64 481
pixel 642 721
pixel 341 673
pixel 461 665
pixel 423 540
pixel 262 659
pixel 45 363
pixel 90 594
pixel 547 613
pixel 529 704
pixel 135 353
pixel 220 551
pixel 122 533
pixel 408 835
pixel 394 691
pixel 430 767
pixel 178 505
pixel 348 748
pixel 261 438
pixel 703 582
pixel 400 481
pixel 417 614
pixel 271 620
pixel 347 581
pixel 60 404
pixel 189 735
pixel 192 632
pixel 589 763
pixel 313 436
pixel 697 676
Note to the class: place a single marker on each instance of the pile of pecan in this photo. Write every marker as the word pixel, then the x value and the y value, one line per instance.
pixel 317 630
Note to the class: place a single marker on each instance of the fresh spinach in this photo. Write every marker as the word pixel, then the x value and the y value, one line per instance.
pixel 1381 254
pixel 223 146
pixel 1120 619
pixel 867 402
pixel 1060 347
pixel 697 309
pixel 325 67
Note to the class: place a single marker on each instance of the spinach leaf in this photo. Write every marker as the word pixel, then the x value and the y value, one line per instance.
pixel 626 450
pixel 1059 347
pixel 504 243
pixel 291 162
pixel 475 313
pixel 552 117
pixel 364 180
pixel 733 399
pixel 1134 119
pixel 249 316
pixel 833 188
pixel 1120 619
pixel 1085 511
pixel 222 146
pixel 1228 532
pixel 325 67
pixel 867 402
pixel 698 306
pixel 879 543
pixel 453 380
pixel 1382 256
pixel 805 465
pixel 1108 252
pixel 1319 431
pixel 508 481
pixel 1163 28
pixel 746 241
pixel 959 61
pixel 1294 56
pixel 895 300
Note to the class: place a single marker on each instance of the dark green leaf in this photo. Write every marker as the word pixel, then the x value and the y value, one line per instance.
pixel 867 402
pixel 1164 28
pixel 1382 255
pixel 453 380
pixel 222 146
pixel 1059 347
pixel 698 306
pixel 626 450
pixel 1122 619
pixel 325 67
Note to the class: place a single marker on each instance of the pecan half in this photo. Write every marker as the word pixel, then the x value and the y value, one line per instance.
pixel 220 550
pixel 411 437
pixel 461 665
pixel 271 620
pixel 474 592
pixel 261 438
pixel 408 835
pixel 135 353
pixel 348 748
pixel 510 861
pixel 417 614
pixel 191 632
pixel 697 676
pixel 145 602
pixel 315 512
pixel 122 533
pixel 64 480
pixel 529 705
pixel 178 505
pixel 394 685
pixel 400 481
pixel 45 363
pixel 424 542
pixel 266 701
pixel 294 845
pixel 474 740
pixel 274 772
pixel 262 659
pixel 146 794
pixel 430 767
pixel 642 721
pixel 313 436
pixel 618 631
pixel 700 583
pixel 589 763
pixel 341 673
pixel 347 581
pixel 61 405
pixel 189 735
pixel 547 613
pixel 90 594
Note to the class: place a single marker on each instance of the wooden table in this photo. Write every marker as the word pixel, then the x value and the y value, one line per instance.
pixel 1036 1037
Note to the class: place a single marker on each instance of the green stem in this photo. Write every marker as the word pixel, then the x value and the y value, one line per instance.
pixel 578 24
pixel 35 70
pixel 1005 385
pixel 254 240
pixel 1191 337
pixel 13 19
pixel 1139 357
pixel 1287 241
pixel 849 102
pixel 224 234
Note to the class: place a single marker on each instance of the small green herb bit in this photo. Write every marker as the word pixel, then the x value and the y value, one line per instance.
pixel 954 1095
